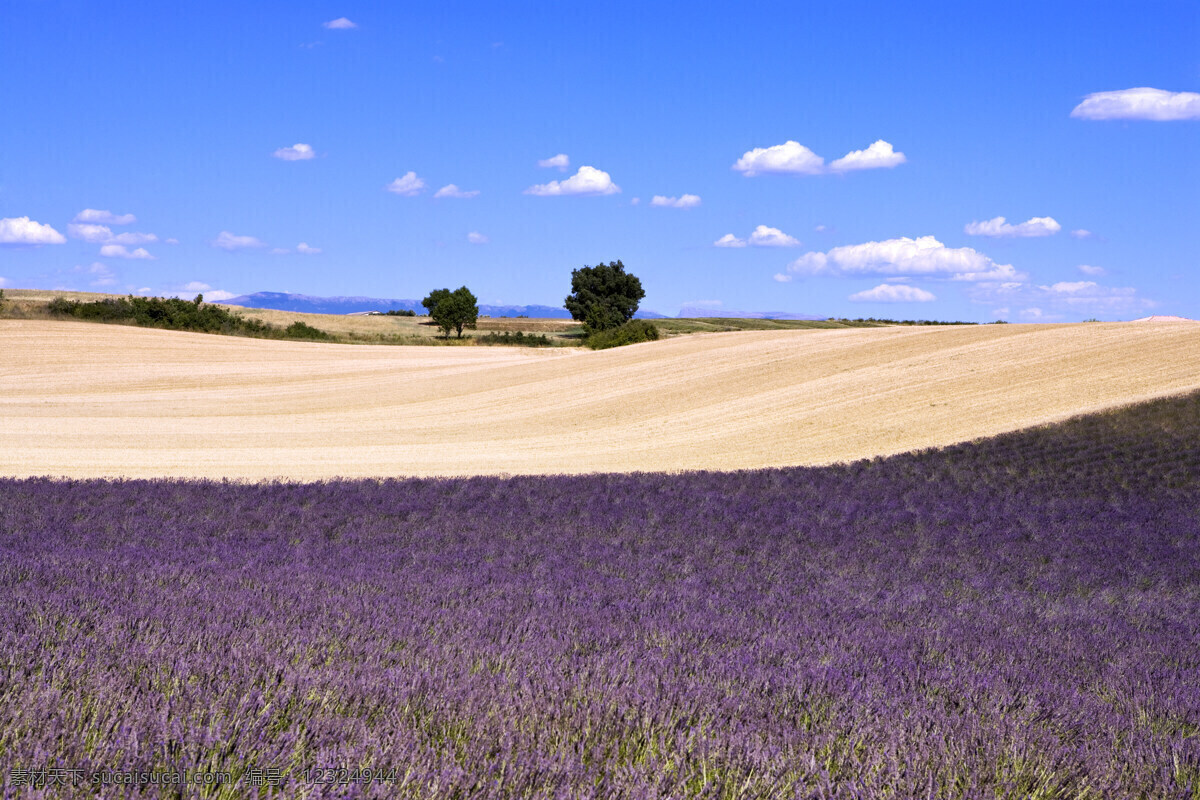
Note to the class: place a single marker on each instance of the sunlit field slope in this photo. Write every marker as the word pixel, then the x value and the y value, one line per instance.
pixel 86 400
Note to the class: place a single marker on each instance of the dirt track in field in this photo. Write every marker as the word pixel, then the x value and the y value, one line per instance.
pixel 86 400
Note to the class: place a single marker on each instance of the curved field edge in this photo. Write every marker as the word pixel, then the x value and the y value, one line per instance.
pixel 1012 618
pixel 105 401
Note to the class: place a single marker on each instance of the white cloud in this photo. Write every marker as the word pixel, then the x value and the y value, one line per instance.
pixel 904 256
pixel 120 251
pixel 280 251
pixel 684 201
pixel 101 274
pixel 217 295
pixel 297 152
pixel 1073 297
pixel 228 241
pixel 172 241
pixel 1088 269
pixel 1141 103
pixel 821 228
pixel 771 237
pixel 587 181
pixel 450 190
pixel 1081 233
pixel 879 155
pixel 339 24
pixel 560 162
pixel 89 233
pixel 997 227
pixel 409 185
pixel 104 217
pixel 100 234
pixel 635 201
pixel 306 250
pixel 23 230
pixel 729 240
pixel 474 237
pixel 793 158
pixel 893 293
pixel 3 281
pixel 789 158
pixel 196 286
pixel 781 278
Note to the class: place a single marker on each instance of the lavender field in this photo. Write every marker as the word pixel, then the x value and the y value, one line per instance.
pixel 1014 618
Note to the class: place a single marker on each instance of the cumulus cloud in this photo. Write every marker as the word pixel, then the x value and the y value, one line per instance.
pixel 893 293
pixel 339 24
pixel 560 162
pixel 587 181
pixel 100 234
pixel 1141 103
pixel 789 158
pixel 306 250
pixel 904 256
pixel 297 152
pixel 228 241
pixel 450 190
pixel 1088 269
pixel 408 185
pixel 1081 233
pixel 683 201
pixel 793 158
pixel 120 251
pixel 104 217
pixel 879 155
pixel 23 230
pixel 475 237
pixel 997 227
pixel 781 277
pixel 761 236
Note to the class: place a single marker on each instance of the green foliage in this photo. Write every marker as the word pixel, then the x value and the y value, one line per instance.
pixel 177 315
pixel 638 330
pixel 452 311
pixel 519 338
pixel 604 296
pixel 874 321
pixel 400 312
pixel 301 330
pixel 435 297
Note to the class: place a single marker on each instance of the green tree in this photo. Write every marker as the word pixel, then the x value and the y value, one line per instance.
pixel 604 296
pixel 435 297
pixel 452 311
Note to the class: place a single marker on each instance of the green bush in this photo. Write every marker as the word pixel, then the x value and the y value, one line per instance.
pixel 400 312
pixel 632 332
pixel 519 338
pixel 301 330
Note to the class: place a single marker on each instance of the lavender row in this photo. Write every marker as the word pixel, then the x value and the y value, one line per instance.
pixel 1018 617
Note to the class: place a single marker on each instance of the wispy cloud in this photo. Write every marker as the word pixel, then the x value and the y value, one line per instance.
pixel 23 230
pixel 793 158
pixel 229 241
pixel 683 201
pixel 893 293
pixel 587 181
pixel 304 249
pixel 450 190
pixel 997 227
pixel 120 251
pixel 100 234
pixel 560 162
pixel 297 152
pixel 1158 105
pixel 761 236
pixel 104 217
pixel 1063 298
pixel 1081 233
pixel 408 185
pixel 100 274
pixel 339 24
pixel 475 237
pixel 904 256
pixel 1088 269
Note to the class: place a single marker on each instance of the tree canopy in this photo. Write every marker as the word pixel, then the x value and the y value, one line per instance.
pixel 452 311
pixel 604 296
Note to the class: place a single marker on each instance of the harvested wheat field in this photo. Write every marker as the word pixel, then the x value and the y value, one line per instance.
pixel 86 400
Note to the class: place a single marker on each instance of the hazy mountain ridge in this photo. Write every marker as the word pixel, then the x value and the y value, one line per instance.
pixel 309 304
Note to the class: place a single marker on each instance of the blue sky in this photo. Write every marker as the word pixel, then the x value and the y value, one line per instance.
pixel 857 155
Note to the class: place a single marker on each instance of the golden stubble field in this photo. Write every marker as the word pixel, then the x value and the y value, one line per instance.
pixel 86 400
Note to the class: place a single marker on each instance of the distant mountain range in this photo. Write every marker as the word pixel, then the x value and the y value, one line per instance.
pixel 284 301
